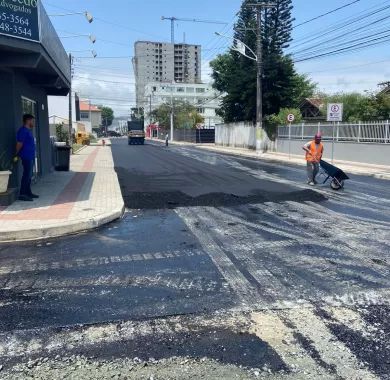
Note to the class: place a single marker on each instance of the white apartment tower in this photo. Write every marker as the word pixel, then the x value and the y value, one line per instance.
pixel 165 63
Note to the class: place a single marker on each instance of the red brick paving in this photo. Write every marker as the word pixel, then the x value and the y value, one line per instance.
pixel 64 203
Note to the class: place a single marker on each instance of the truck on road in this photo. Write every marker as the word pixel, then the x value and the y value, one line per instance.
pixel 136 133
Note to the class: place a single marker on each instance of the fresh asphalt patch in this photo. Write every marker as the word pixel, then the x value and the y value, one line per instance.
pixel 153 177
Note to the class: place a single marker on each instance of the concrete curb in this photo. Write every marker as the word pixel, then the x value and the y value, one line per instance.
pixel 62 229
pixel 360 171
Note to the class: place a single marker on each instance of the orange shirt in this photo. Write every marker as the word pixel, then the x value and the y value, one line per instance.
pixel 316 151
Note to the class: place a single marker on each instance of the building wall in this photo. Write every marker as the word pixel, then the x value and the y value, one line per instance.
pixel 165 62
pixel 94 120
pixel 16 86
pixel 201 95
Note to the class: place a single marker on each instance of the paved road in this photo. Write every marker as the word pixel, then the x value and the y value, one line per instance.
pixel 221 257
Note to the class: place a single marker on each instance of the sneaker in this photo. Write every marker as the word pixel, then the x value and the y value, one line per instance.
pixel 34 196
pixel 25 198
pixel 311 183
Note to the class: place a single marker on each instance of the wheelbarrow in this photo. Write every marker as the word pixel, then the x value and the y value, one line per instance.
pixel 332 172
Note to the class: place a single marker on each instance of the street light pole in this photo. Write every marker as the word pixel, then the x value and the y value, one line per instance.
pixel 172 88
pixel 259 99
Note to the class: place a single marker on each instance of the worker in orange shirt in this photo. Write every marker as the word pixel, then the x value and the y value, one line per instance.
pixel 314 151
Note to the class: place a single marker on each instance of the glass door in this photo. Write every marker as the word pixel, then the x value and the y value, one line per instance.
pixel 30 106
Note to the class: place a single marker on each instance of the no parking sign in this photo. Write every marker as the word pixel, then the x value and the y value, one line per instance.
pixel 335 112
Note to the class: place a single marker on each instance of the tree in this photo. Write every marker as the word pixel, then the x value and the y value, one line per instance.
pixel 185 116
pixel 235 75
pixel 107 116
pixel 272 122
pixel 383 106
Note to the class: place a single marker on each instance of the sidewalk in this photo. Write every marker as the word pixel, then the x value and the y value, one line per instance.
pixel 84 198
pixel 377 171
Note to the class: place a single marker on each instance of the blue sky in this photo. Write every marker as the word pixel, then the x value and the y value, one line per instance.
pixel 119 23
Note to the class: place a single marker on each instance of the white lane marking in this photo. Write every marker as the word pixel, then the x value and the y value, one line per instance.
pixel 48 283
pixel 236 280
pixel 21 265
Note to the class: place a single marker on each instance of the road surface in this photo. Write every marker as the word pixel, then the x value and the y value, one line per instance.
pixel 223 267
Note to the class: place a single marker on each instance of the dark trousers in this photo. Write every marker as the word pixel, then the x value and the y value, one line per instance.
pixel 25 186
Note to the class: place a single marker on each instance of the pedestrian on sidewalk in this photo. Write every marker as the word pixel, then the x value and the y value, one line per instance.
pixel 25 150
pixel 167 139
pixel 314 152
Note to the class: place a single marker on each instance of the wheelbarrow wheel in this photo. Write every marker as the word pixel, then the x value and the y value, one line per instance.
pixel 336 184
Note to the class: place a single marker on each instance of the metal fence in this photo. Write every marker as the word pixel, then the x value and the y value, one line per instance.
pixel 362 132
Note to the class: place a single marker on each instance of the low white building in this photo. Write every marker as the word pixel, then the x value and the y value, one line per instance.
pixel 201 95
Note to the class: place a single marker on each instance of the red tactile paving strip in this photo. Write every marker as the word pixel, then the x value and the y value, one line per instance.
pixel 63 204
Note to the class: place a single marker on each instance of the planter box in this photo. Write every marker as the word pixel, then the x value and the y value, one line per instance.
pixel 4 179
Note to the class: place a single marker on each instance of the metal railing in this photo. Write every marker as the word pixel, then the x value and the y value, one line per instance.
pixel 361 132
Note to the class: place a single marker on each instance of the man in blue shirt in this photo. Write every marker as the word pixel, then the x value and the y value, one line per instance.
pixel 25 150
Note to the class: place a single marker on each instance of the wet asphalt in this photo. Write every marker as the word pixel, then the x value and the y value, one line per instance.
pixel 207 233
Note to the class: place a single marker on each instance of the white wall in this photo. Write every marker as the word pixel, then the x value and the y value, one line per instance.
pixel 368 153
pixel 239 135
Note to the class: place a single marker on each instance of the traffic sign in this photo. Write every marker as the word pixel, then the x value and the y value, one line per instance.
pixel 335 112
pixel 290 117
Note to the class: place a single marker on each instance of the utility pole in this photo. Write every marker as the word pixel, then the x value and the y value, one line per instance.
pixel 70 124
pixel 150 110
pixel 172 111
pixel 259 53
pixel 259 100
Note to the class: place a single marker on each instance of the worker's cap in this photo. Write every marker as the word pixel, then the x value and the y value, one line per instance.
pixel 318 136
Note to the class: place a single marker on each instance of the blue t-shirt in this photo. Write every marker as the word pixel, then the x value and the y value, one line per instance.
pixel 26 137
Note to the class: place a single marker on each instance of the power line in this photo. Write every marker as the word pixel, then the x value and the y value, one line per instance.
pixel 345 23
pixel 373 42
pixel 326 14
pixel 343 36
pixel 118 25
pixel 348 67
pixel 102 80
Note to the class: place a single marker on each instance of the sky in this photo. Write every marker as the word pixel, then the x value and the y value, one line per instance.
pixel 108 79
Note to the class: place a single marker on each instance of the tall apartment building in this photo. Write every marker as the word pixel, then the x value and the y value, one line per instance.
pixel 165 63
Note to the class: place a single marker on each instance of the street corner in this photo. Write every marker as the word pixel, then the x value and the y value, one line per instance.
pixel 86 197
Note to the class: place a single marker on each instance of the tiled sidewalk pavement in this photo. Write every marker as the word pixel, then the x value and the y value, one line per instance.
pixel 84 198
